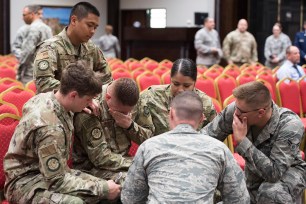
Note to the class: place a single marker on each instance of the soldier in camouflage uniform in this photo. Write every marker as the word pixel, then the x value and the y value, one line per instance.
pixel 268 139
pixel 33 35
pixel 36 162
pixel 152 110
pixel 101 143
pixel 183 166
pixel 72 44
pixel 239 46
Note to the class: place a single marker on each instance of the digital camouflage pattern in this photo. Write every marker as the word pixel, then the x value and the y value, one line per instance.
pixel 37 32
pixel 36 162
pixel 240 47
pixel 152 109
pixel 55 54
pixel 274 169
pixel 184 166
pixel 100 146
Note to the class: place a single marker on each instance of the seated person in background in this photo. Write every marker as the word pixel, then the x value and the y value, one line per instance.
pixel 268 139
pixel 290 68
pixel 36 162
pixel 182 165
pixel 152 110
pixel 101 143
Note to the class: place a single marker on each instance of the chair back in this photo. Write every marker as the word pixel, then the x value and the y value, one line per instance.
pixel 217 67
pixel 8 123
pixel 138 72
pixel 7 72
pixel 225 85
pixel 288 95
pixel 166 63
pixel 31 85
pixel 217 105
pixel 6 83
pixel 121 73
pixel 212 73
pixel 245 78
pixel 232 71
pixel 151 65
pixel 6 107
pixel 166 78
pixel 302 86
pixel 201 69
pixel 160 70
pixel 249 70
pixel 18 96
pixel 146 80
pixel 207 85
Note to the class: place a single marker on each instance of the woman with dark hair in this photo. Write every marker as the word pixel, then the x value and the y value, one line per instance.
pixel 152 111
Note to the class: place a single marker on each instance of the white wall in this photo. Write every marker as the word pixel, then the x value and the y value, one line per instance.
pixel 178 11
pixel 18 5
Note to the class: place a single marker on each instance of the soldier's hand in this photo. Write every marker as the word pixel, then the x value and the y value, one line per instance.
pixel 240 128
pixel 114 190
pixel 94 107
pixel 122 120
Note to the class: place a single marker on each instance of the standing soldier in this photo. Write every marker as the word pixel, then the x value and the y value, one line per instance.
pixel 102 143
pixel 72 44
pixel 35 165
pixel 27 40
pixel 239 46
pixel 207 44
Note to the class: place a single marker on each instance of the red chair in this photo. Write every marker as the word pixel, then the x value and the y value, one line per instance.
pixel 258 66
pixel 145 60
pixel 207 85
pixel 249 70
pixel 212 73
pixel 166 78
pixel 6 83
pixel 129 61
pixel 269 86
pixel 201 68
pixel 217 67
pixel 133 149
pixel 147 79
pixel 166 63
pixel 232 70
pixel 31 85
pixel 160 71
pixel 269 78
pixel 8 123
pixel 245 65
pixel 245 78
pixel 118 65
pixel 225 85
pixel 6 107
pixel 151 65
pixel 7 72
pixel 135 65
pixel 138 72
pixel 275 69
pixel 302 86
pixel 18 96
pixel 121 73
pixel 265 69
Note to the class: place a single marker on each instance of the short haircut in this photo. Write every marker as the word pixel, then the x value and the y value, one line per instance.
pixel 288 49
pixel 188 106
pixel 186 67
pixel 279 25
pixel 33 8
pixel 82 9
pixel 253 93
pixel 80 78
pixel 125 90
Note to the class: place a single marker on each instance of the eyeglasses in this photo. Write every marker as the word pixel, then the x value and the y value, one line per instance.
pixel 242 112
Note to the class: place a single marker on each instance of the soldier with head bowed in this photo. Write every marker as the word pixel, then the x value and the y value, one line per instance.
pixel 152 110
pixel 268 139
pixel 102 142
pixel 35 165
pixel 182 165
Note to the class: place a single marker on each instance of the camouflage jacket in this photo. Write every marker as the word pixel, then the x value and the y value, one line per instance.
pixel 184 166
pixel 55 54
pixel 100 143
pixel 38 153
pixel 271 155
pixel 21 35
pixel 240 47
pixel 152 110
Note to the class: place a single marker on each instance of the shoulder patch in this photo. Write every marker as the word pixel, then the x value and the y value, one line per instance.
pixel 53 164
pixel 96 133
pixel 48 150
pixel 43 65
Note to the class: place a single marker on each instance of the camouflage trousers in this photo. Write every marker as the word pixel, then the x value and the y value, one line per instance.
pixel 118 177
pixel 288 189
